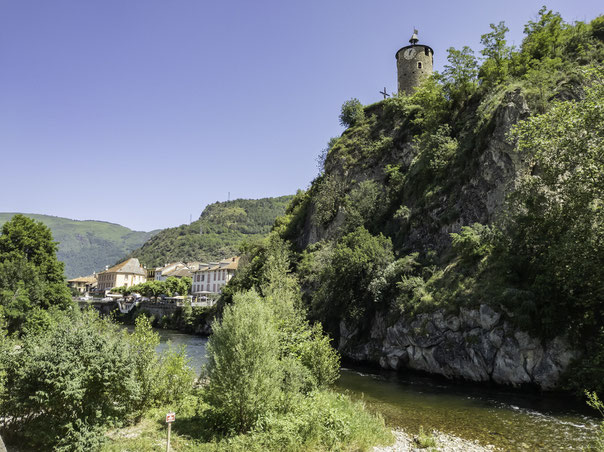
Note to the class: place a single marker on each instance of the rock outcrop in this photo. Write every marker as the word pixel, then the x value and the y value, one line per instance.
pixel 475 344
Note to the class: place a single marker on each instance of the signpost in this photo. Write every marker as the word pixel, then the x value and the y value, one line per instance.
pixel 170 417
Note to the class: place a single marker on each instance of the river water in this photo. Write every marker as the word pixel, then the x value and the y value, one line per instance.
pixel 510 420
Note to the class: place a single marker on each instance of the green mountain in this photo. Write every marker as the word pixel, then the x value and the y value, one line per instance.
pixel 88 246
pixel 217 233
pixel 459 230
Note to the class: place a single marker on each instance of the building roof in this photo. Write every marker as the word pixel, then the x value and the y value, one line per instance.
pixel 230 264
pixel 131 265
pixel 226 264
pixel 181 272
pixel 84 279
pixel 166 269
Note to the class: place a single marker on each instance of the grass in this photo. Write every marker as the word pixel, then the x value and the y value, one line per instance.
pixel 425 440
pixel 322 421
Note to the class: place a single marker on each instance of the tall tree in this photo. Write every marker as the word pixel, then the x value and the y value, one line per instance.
pixel 30 274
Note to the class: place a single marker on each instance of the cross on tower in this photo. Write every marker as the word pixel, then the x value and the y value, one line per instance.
pixel 384 93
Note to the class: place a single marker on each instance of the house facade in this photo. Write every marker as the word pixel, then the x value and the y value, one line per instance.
pixel 128 273
pixel 211 278
pixel 83 284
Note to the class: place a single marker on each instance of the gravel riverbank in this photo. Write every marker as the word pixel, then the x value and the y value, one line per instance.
pixel 446 443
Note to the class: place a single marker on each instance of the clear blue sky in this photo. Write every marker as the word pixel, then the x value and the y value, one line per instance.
pixel 141 112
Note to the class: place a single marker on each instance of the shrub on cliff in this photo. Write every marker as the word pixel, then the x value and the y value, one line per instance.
pixel 352 113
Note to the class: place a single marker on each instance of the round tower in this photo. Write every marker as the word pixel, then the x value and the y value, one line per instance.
pixel 414 63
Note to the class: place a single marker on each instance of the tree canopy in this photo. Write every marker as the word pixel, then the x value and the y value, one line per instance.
pixel 31 276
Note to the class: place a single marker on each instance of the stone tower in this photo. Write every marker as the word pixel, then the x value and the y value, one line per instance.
pixel 414 63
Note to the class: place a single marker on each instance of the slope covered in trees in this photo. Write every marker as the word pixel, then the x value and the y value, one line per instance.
pixel 88 246
pixel 483 187
pixel 217 233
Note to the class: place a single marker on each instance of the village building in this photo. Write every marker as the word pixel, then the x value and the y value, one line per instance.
pixel 211 278
pixel 128 273
pixel 163 273
pixel 83 284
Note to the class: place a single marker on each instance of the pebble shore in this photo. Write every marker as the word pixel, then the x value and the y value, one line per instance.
pixel 445 443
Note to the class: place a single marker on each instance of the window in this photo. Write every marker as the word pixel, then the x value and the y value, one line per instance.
pixel 419 64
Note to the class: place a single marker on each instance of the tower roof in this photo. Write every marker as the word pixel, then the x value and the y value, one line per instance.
pixel 414 37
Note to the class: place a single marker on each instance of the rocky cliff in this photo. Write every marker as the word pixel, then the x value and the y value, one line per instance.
pixel 476 345
pixel 455 230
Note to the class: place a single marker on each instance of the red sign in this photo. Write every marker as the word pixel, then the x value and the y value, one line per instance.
pixel 170 417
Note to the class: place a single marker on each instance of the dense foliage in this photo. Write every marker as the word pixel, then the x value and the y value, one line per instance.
pixel 172 286
pixel 31 277
pixel 266 362
pixel 217 234
pixel 429 200
pixel 268 380
pixel 76 374
pixel 88 246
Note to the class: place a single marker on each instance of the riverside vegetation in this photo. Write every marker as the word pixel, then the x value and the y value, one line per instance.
pixel 484 187
pixel 372 234
pixel 71 381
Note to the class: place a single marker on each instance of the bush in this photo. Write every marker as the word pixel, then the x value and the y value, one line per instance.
pixel 594 402
pixel 243 364
pixel 82 374
pixel 352 113
pixel 344 277
pixel 68 381
pixel 473 242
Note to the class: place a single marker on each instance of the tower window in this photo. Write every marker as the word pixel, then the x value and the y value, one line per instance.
pixel 419 64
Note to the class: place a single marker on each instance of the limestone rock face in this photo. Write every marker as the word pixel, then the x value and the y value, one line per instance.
pixel 475 345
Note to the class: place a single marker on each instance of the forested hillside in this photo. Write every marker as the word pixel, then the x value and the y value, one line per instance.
pixel 88 246
pixel 460 230
pixel 217 233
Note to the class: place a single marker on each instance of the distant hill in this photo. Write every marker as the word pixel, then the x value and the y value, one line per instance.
pixel 87 246
pixel 217 233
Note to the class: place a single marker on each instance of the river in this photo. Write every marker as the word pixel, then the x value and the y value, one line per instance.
pixel 510 420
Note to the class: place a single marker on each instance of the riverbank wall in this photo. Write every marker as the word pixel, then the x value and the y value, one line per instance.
pixel 198 320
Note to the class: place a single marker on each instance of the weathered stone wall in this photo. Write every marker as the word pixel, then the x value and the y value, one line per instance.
pixel 409 74
pixel 158 310
pixel 476 345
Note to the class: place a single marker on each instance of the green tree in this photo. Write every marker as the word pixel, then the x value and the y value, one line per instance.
pixel 30 274
pixel 543 36
pixel 555 228
pixel 352 113
pixel 460 75
pixel 24 238
pixel 67 382
pixel 343 282
pixel 243 364
pixel 497 55
pixel 152 289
